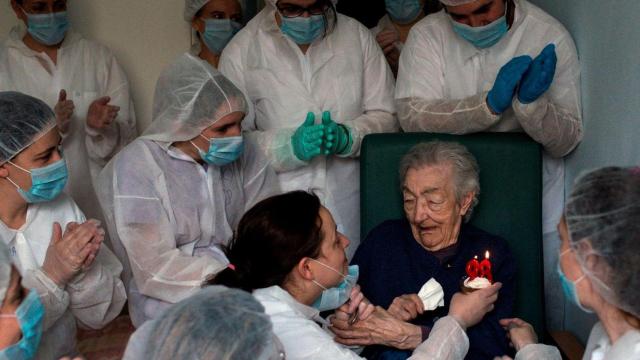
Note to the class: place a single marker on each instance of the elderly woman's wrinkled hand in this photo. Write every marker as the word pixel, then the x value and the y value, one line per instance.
pixel 356 309
pixel 406 307
pixel 469 309
pixel 380 328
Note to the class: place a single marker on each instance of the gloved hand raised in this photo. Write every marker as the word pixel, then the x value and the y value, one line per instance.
pixel 337 137
pixel 307 140
pixel 537 80
pixel 500 97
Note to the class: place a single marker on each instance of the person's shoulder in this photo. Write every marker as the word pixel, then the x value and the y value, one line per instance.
pixel 539 19
pixel 433 24
pixel 137 153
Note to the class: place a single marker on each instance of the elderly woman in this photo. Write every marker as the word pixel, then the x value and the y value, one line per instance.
pixel 80 79
pixel 599 263
pixel 215 22
pixel 216 323
pixel 174 195
pixel 440 185
pixel 56 250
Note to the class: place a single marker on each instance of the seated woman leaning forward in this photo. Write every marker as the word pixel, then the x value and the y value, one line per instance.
pixel 440 185
pixel 173 196
pixel 57 251
pixel 288 252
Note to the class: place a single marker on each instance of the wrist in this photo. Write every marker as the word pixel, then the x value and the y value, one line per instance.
pixel 411 337
pixel 53 276
pixel 459 320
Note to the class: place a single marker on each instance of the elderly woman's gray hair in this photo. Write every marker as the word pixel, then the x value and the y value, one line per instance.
pixel 465 167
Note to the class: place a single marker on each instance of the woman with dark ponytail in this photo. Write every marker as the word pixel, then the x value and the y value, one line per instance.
pixel 288 252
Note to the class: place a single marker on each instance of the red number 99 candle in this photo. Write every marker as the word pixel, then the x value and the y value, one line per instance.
pixel 473 268
pixel 485 267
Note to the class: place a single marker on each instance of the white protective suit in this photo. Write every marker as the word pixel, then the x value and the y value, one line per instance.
pixel 344 73
pixel 92 299
pixel 168 214
pixel 443 83
pixel 296 325
pixel 87 71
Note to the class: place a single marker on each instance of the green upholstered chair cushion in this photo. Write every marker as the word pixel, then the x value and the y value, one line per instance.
pixel 510 198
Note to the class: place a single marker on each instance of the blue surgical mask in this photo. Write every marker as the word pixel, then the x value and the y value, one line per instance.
pixel 303 30
pixel 46 182
pixel 218 33
pixel 482 36
pixel 222 151
pixel 403 11
pixel 29 314
pixel 569 287
pixel 333 298
pixel 48 29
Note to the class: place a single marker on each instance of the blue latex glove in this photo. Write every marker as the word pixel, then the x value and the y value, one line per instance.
pixel 337 138
pixel 537 80
pixel 307 140
pixel 500 96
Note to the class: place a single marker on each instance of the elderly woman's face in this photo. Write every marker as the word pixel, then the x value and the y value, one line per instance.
pixel 431 207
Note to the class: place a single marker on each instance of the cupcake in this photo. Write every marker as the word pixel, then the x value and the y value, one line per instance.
pixel 470 285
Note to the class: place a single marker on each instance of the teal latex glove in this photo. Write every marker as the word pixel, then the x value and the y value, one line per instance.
pixel 500 97
pixel 537 80
pixel 337 137
pixel 307 140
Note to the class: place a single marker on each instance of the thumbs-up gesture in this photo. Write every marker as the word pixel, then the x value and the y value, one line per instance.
pixel 101 114
pixel 64 110
pixel 307 140
pixel 73 252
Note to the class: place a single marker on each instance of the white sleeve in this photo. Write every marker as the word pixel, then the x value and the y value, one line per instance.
pixel 143 226
pixel 103 144
pixel 276 143
pixel 446 341
pixel 259 179
pixel 555 119
pixel 310 342
pixel 98 295
pixel 55 299
pixel 378 106
pixel 538 352
pixel 420 95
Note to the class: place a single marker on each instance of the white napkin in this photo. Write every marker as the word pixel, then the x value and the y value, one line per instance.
pixel 432 295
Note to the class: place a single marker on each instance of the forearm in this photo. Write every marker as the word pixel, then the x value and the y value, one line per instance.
pixel 55 299
pixel 557 129
pixel 98 295
pixel 463 116
pixel 447 341
pixel 370 122
pixel 277 147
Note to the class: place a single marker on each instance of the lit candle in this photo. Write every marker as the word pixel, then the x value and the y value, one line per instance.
pixel 485 267
pixel 473 268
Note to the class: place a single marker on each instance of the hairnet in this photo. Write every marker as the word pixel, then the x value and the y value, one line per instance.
pixel 603 219
pixel 23 120
pixel 190 96
pixel 191 8
pixel 5 270
pixel 215 323
pixel 456 2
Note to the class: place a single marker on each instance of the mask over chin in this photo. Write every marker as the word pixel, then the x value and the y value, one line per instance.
pixel 332 298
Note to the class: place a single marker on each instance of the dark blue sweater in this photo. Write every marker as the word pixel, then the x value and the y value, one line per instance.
pixel 392 263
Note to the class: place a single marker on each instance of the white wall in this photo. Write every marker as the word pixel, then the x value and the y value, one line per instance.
pixel 144 35
pixel 608 40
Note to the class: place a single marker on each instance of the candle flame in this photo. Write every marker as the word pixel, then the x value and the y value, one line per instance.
pixel 476 257
pixel 486 254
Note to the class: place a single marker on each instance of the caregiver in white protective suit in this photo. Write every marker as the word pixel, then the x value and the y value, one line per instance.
pixel 319 83
pixel 57 251
pixel 174 195
pixel 498 66
pixel 81 80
